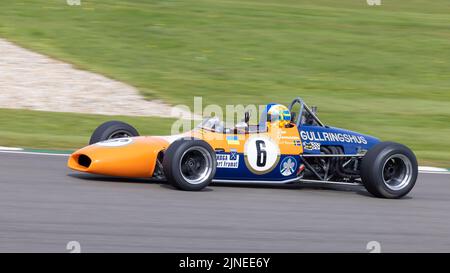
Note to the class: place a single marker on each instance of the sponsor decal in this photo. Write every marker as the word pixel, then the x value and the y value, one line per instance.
pixel 233 154
pixel 332 137
pixel 261 154
pixel 290 137
pixel 233 140
pixel 312 146
pixel 288 166
pixel 116 142
pixel 229 161
pixel 282 135
pixel 361 151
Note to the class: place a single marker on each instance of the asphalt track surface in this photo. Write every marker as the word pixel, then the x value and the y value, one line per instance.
pixel 43 206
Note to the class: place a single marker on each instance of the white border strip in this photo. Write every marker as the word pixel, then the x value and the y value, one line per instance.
pixel 432 169
pixel 30 153
pixel 10 149
pixel 425 172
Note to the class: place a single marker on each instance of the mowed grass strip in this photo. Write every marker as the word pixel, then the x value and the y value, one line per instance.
pixel 65 131
pixel 382 70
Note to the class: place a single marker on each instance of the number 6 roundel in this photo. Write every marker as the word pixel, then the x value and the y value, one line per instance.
pixel 261 154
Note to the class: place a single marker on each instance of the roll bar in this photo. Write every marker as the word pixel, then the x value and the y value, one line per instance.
pixel 303 107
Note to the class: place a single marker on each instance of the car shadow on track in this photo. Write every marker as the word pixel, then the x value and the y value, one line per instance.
pixel 358 189
pixel 115 179
pixel 309 186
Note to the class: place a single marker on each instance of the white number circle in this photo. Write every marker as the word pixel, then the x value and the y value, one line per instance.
pixel 115 142
pixel 261 154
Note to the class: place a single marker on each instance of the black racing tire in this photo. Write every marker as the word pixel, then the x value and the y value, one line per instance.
pixel 189 164
pixel 112 129
pixel 389 170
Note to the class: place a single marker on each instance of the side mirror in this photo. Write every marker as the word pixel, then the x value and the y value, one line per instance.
pixel 246 117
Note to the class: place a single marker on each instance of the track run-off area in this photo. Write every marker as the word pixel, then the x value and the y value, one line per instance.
pixel 44 206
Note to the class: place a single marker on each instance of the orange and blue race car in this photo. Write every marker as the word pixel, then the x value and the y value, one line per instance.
pixel 286 146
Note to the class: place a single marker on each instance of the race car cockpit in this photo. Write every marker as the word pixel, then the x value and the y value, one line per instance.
pixel 288 117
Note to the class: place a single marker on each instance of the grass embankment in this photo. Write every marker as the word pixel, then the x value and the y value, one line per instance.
pixel 381 70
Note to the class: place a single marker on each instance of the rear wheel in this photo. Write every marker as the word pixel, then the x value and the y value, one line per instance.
pixel 189 164
pixel 111 130
pixel 389 170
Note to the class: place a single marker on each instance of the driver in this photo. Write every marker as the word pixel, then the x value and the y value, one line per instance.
pixel 278 115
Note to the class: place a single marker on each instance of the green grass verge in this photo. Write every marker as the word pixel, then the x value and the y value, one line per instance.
pixel 65 131
pixel 382 70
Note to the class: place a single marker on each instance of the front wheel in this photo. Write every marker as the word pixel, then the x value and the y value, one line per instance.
pixel 189 164
pixel 389 170
pixel 112 129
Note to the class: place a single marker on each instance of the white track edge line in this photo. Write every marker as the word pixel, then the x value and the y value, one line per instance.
pixel 2 148
pixel 427 172
pixel 20 151
pixel 32 153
